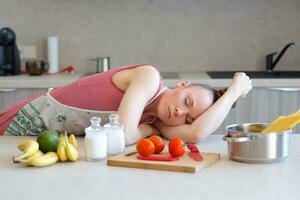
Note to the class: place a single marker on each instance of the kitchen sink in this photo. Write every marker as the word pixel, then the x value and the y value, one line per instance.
pixel 256 74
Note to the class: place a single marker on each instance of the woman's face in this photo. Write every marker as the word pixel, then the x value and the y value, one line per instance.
pixel 183 104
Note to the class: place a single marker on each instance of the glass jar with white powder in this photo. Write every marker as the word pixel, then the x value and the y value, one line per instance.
pixel 115 134
pixel 95 141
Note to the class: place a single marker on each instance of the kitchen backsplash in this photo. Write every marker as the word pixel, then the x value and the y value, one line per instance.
pixel 173 35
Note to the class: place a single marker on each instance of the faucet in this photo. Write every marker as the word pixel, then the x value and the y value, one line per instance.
pixel 270 65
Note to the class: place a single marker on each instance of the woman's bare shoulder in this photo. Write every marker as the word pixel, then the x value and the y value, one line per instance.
pixel 123 78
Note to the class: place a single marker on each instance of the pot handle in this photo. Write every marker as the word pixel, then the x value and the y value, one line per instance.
pixel 238 139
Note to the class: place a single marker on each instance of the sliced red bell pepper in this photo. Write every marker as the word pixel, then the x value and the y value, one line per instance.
pixel 157 158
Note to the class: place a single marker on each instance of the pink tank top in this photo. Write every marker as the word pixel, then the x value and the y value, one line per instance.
pixel 94 92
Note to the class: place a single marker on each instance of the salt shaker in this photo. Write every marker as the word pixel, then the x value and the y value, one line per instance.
pixel 95 141
pixel 115 135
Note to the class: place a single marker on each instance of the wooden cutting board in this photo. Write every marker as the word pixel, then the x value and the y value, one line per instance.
pixel 184 164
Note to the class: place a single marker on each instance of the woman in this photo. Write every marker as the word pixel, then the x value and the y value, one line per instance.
pixel 145 106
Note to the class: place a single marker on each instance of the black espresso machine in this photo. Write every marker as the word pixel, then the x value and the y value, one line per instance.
pixel 9 53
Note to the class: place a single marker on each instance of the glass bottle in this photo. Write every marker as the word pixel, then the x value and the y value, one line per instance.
pixel 95 141
pixel 115 134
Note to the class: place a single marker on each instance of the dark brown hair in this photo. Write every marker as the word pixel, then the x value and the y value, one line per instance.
pixel 217 93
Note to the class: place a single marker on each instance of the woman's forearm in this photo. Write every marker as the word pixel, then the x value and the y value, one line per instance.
pixel 211 119
pixel 143 130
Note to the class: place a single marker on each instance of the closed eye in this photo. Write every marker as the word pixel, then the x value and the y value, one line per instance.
pixel 187 101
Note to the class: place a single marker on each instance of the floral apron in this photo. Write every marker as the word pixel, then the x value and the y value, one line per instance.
pixel 47 113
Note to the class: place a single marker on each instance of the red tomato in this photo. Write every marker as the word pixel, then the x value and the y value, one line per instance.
pixel 145 147
pixel 158 143
pixel 176 147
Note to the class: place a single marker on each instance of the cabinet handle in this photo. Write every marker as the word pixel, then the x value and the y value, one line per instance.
pixel 287 89
pixel 8 90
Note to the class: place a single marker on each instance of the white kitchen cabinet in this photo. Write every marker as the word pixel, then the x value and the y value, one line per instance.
pixel 13 95
pixel 263 104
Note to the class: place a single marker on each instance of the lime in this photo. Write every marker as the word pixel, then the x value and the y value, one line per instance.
pixel 48 141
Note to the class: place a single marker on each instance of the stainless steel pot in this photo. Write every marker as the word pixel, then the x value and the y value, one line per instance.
pixel 247 144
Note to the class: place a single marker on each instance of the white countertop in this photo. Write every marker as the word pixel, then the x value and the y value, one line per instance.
pixel 46 81
pixel 203 77
pixel 94 180
pixel 43 81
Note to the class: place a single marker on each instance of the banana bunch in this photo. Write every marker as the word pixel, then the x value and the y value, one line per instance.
pixel 67 148
pixel 32 156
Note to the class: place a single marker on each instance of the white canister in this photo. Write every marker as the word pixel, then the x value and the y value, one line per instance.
pixel 95 141
pixel 52 51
